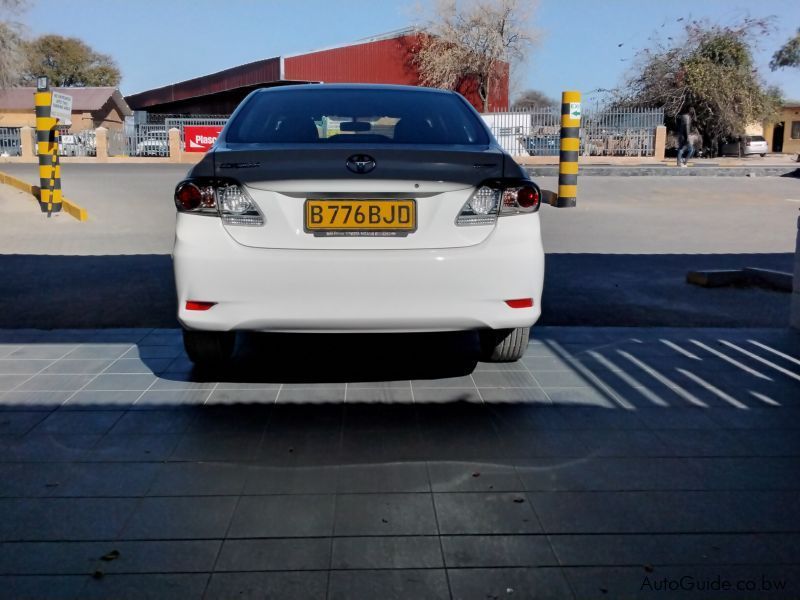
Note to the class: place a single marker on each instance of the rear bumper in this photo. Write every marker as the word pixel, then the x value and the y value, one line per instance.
pixel 446 289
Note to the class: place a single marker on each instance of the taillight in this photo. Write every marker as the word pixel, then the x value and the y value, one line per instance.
pixel 498 198
pixel 218 197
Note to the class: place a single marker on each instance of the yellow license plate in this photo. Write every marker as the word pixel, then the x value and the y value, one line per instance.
pixel 360 217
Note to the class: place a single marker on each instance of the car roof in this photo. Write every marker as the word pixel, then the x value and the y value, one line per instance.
pixel 312 87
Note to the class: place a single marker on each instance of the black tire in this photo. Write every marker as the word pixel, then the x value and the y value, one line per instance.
pixel 763 155
pixel 209 349
pixel 503 345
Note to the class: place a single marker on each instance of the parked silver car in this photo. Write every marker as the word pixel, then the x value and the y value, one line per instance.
pixel 745 146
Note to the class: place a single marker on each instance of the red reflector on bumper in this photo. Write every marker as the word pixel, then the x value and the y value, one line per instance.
pixel 520 303
pixel 196 305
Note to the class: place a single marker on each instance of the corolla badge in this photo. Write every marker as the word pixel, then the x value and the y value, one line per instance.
pixel 360 163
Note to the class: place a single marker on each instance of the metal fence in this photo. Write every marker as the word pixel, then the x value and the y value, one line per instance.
pixel 604 132
pixel 10 141
pixel 77 143
pixel 139 140
pixel 181 122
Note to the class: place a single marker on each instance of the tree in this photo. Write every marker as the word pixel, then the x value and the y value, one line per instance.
pixel 472 44
pixel 11 56
pixel 535 99
pixel 68 62
pixel 787 55
pixel 709 73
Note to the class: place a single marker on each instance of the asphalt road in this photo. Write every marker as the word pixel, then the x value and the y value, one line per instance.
pixel 619 259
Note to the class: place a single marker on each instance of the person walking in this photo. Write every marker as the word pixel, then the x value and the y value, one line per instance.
pixel 685 148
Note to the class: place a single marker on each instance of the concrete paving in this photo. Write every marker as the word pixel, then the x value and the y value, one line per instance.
pixel 620 258
pixel 608 462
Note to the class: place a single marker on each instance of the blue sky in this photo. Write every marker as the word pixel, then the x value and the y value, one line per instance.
pixel 160 42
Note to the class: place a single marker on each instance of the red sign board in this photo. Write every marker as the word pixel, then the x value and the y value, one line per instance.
pixel 200 138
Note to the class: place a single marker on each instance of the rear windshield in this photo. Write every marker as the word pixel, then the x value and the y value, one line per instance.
pixel 757 138
pixel 347 116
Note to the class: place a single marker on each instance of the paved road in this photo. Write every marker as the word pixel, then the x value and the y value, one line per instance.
pixel 605 458
pixel 620 258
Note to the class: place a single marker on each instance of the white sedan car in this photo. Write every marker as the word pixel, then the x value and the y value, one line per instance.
pixel 357 208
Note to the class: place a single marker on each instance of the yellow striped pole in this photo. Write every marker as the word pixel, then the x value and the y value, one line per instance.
pixel 47 148
pixel 570 146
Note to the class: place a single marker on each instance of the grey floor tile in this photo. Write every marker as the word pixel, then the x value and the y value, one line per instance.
pixel 180 518
pixel 398 384
pixel 386 552
pixel 100 351
pixel 48 447
pixel 684 549
pixel 121 381
pixel 64 421
pixel 312 447
pixel 473 477
pixel 41 587
pixel 65 519
pixel 438 395
pixel 562 379
pixel 170 399
pixel 23 366
pixel 299 479
pixel 391 477
pixel 769 442
pixel 153 421
pixel 102 400
pixel 581 396
pixel 148 352
pixel 54 383
pixel 532 444
pixel 635 582
pixel 139 365
pixel 662 512
pixel 462 381
pixel 395 395
pixel 297 585
pixel 283 516
pixel 181 381
pixel 256 397
pixel 199 479
pixel 294 554
pixel 504 379
pixel 246 420
pixel 693 442
pixel 600 418
pixel 50 558
pixel 384 514
pixel 10 382
pixel 315 395
pixel 46 401
pixel 780 417
pixel 533 583
pixel 626 443
pixel 159 556
pixel 485 513
pixel 747 473
pixel 19 422
pixel 393 584
pixel 80 366
pixel 531 395
pixel 218 447
pixel 381 446
pixel 678 418
pixel 146 587
pixel 133 447
pixel 497 551
pixel 30 480
pixel 609 474
pixel 51 351
pixel 106 479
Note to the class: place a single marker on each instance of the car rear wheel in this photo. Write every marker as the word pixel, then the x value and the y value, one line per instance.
pixel 504 345
pixel 209 348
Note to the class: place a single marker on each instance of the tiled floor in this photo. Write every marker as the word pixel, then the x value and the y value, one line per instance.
pixel 606 463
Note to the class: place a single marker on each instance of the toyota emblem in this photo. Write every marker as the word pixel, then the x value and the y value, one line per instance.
pixel 361 163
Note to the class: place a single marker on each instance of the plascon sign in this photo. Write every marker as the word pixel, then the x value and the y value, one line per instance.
pixel 200 138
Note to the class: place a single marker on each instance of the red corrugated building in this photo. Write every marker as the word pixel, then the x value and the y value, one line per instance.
pixel 383 59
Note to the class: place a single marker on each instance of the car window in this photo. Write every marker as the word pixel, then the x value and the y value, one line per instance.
pixel 371 116
pixel 757 138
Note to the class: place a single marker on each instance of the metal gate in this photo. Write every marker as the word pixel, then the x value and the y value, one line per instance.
pixel 10 141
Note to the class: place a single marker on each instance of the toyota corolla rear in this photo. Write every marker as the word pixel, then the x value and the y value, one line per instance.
pixel 344 208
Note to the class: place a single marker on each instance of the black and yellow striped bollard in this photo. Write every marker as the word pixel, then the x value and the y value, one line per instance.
pixel 569 149
pixel 47 148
